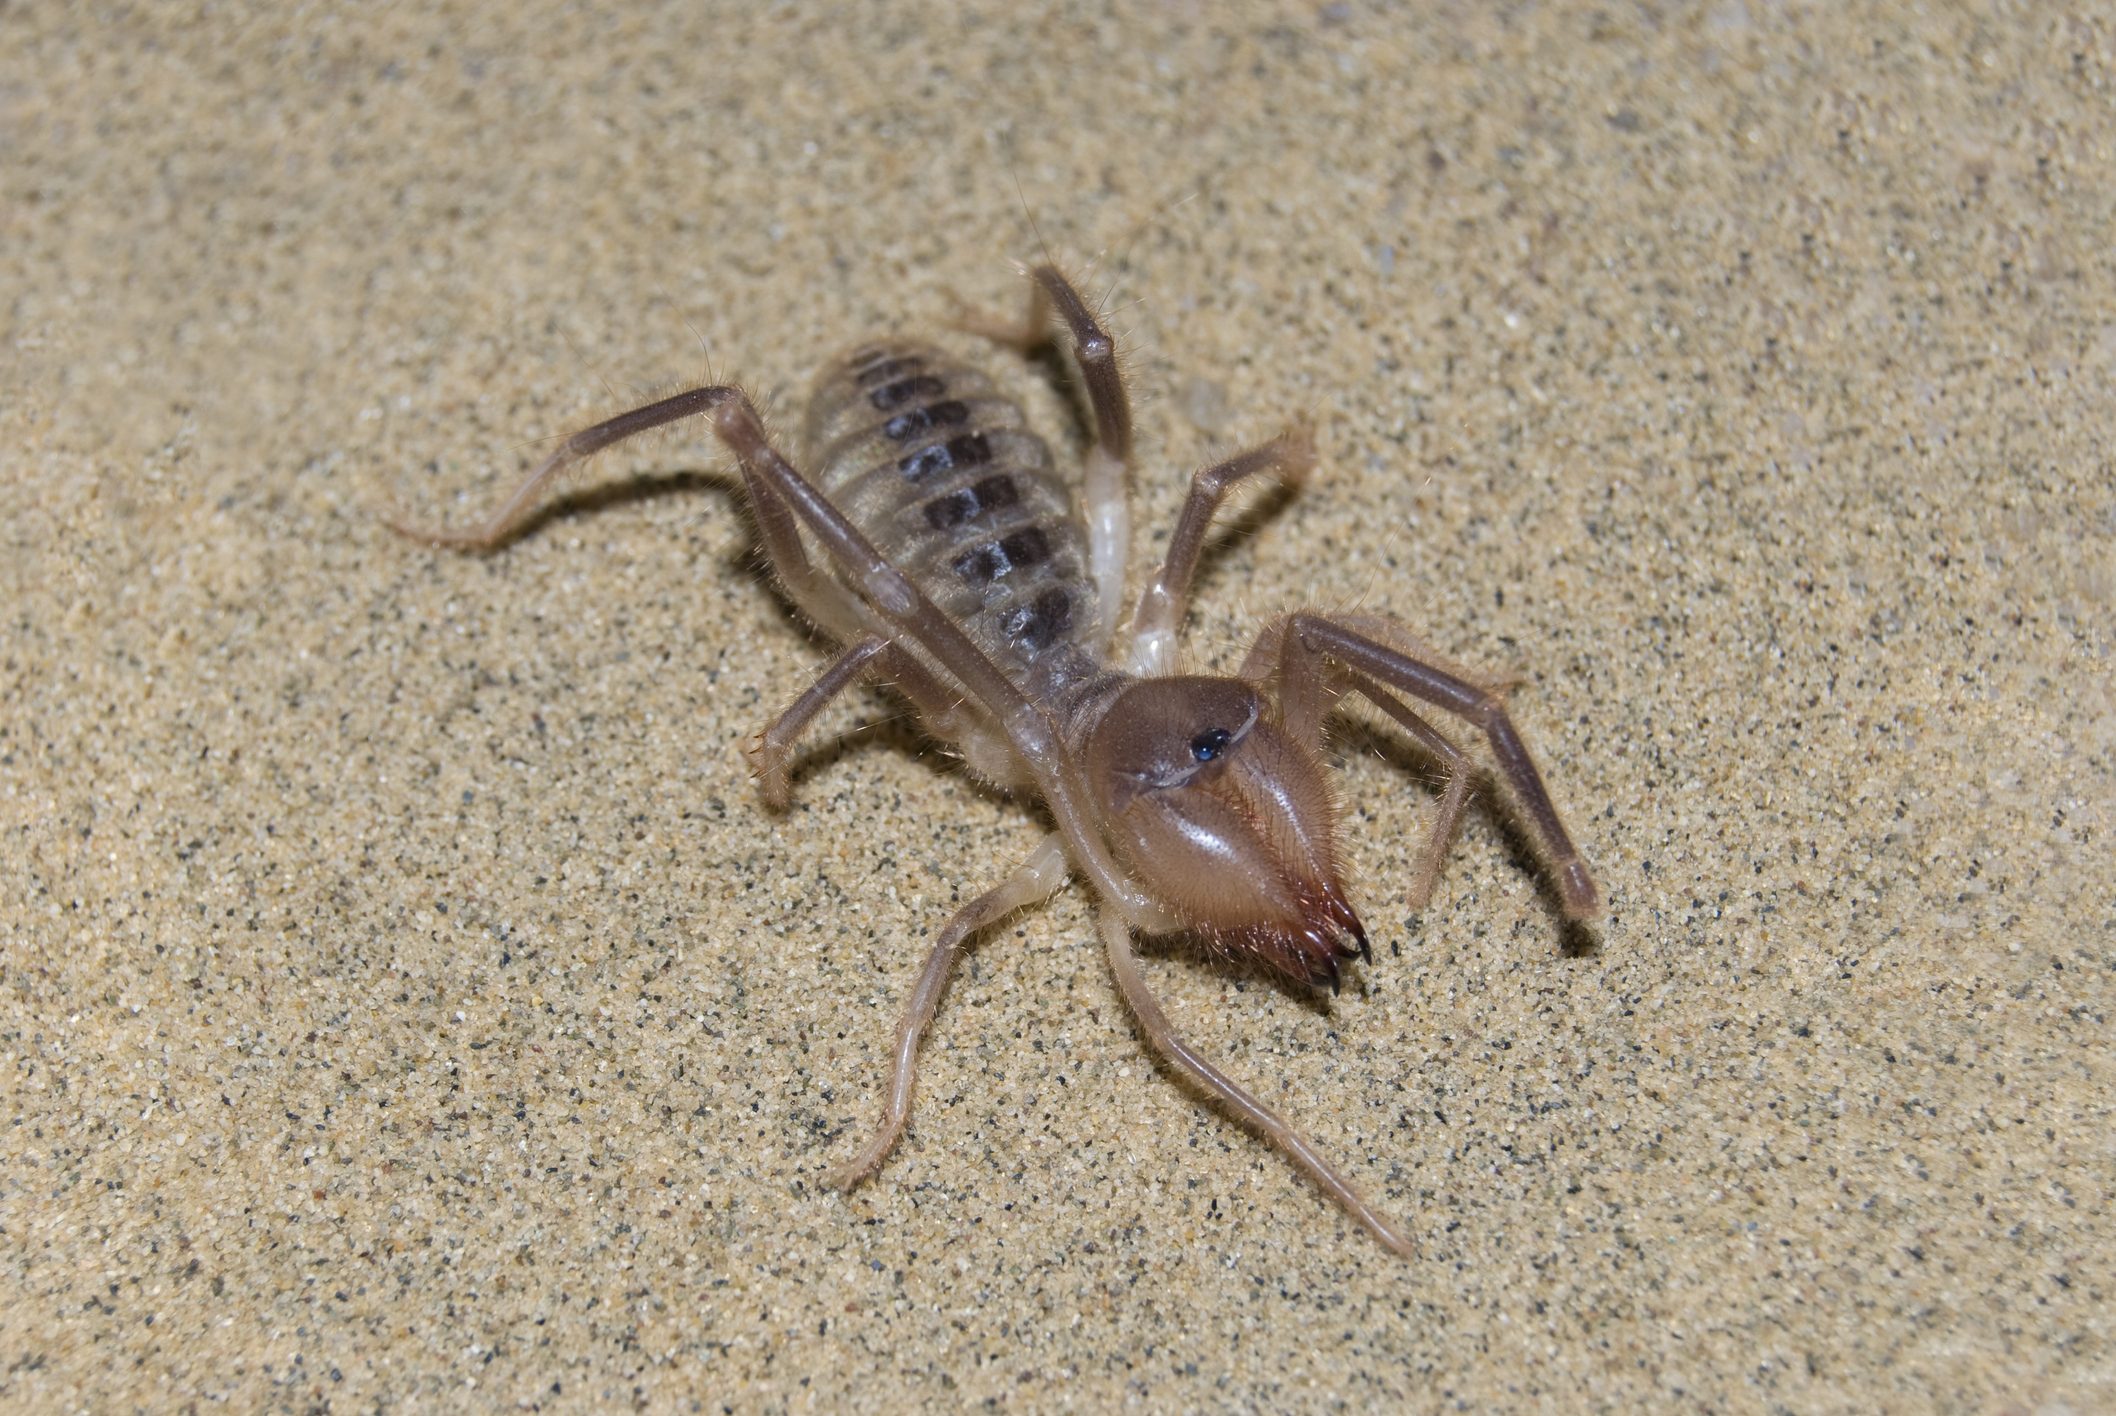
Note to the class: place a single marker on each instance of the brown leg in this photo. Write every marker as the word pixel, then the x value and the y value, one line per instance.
pixel 1103 499
pixel 1305 700
pixel 900 610
pixel 783 499
pixel 945 714
pixel 892 597
pixel 1093 349
pixel 1034 879
pixel 1315 637
pixel 768 750
pixel 570 454
pixel 823 600
pixel 1452 799
pixel 1164 1039
pixel 1155 623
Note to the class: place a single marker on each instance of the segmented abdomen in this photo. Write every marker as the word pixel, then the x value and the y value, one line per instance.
pixel 942 473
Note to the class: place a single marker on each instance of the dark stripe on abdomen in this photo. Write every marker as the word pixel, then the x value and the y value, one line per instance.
pixel 906 426
pixel 1038 625
pixel 969 450
pixel 946 512
pixel 1024 548
pixel 896 395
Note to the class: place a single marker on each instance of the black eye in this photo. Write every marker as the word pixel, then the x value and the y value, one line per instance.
pixel 1209 744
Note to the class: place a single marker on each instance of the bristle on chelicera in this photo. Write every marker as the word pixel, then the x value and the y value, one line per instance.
pixel 1311 951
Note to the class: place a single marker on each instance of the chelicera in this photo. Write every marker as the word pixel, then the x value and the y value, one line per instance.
pixel 956 565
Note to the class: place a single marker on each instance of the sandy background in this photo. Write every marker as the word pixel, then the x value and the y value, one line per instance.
pixel 407 998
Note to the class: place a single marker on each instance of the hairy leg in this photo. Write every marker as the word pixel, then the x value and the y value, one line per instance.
pixel 768 750
pixel 508 517
pixel 1103 499
pixel 1034 879
pixel 1304 700
pixel 903 608
pixel 1159 617
pixel 898 609
pixel 945 713
pixel 1163 1038
pixel 1452 799
pixel 1310 649
pixel 826 603
pixel 1093 349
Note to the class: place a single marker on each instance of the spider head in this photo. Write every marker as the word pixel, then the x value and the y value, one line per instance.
pixel 1225 820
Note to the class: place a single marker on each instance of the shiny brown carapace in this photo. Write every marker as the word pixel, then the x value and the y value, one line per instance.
pixel 960 568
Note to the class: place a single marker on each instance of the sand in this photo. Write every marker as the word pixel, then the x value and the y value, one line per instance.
pixel 407 999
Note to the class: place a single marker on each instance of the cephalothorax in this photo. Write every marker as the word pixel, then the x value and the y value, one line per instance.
pixel 960 569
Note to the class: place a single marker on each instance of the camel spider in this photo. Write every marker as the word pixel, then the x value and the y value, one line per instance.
pixel 957 568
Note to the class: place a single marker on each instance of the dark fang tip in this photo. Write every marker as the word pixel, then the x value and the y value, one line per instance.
pixel 1351 934
pixel 1312 950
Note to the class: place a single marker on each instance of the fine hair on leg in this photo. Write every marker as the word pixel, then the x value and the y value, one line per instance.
pixel 1179 1054
pixel 1034 879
